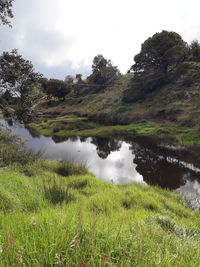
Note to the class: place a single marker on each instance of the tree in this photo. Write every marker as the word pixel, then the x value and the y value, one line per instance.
pixel 103 72
pixel 56 88
pixel 6 11
pixel 160 51
pixel 17 76
pixel 195 50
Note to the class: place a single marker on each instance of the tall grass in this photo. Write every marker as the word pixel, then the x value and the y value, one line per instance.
pixel 12 150
pixel 55 214
pixel 50 220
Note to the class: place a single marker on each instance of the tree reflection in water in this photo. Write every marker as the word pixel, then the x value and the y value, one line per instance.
pixel 105 146
pixel 164 167
pixel 152 160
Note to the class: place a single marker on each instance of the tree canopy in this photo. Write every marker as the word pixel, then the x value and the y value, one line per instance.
pixel 195 50
pixel 56 88
pixel 17 76
pixel 6 11
pixel 103 72
pixel 160 51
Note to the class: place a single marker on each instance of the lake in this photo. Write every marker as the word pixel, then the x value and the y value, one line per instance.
pixel 144 160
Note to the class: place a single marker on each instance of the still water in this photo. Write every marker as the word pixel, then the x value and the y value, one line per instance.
pixel 143 160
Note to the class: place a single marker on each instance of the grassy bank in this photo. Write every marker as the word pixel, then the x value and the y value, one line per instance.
pixel 57 214
pixel 69 126
pixel 169 110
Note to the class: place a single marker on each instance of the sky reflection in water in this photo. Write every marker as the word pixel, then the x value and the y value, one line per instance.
pixel 122 161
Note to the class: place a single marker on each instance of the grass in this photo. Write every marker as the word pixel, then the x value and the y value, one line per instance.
pixel 69 126
pixel 12 150
pixel 171 110
pixel 78 220
pixel 57 214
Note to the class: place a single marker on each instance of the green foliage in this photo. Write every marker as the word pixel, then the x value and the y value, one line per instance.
pixel 103 72
pixel 56 88
pixel 17 76
pixel 161 51
pixel 166 223
pixel 66 169
pixel 194 51
pixel 6 11
pixel 13 151
pixel 142 84
pixel 156 64
pixel 47 220
pixel 56 194
pixel 66 127
pixel 60 224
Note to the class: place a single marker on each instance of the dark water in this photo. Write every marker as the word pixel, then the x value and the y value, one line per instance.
pixel 144 160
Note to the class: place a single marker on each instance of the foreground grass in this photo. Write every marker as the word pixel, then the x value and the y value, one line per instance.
pixel 69 126
pixel 57 214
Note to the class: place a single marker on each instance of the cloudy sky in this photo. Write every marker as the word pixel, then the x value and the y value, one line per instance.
pixel 61 37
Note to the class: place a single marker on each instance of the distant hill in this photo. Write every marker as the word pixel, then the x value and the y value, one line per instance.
pixel 177 100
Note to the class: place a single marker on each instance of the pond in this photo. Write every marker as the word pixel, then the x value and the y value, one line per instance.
pixel 144 160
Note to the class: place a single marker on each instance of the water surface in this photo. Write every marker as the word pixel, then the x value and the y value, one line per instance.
pixel 143 160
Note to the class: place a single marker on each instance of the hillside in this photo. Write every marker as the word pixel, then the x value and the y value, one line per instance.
pixel 171 109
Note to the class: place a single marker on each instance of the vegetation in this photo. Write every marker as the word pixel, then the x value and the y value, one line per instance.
pixel 156 64
pixel 56 213
pixel 17 77
pixel 103 72
pixel 160 52
pixel 6 11
pixel 194 51
pixel 73 126
pixel 69 218
pixel 56 88
pixel 162 91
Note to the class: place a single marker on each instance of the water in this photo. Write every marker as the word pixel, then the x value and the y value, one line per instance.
pixel 142 160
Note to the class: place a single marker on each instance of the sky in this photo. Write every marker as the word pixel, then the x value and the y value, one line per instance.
pixel 61 37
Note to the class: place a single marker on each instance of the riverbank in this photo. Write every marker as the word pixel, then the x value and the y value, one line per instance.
pixel 55 213
pixel 169 110
pixel 80 126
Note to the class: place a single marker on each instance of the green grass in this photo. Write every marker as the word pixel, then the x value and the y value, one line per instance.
pixel 47 219
pixel 69 126
pixel 169 109
pixel 57 214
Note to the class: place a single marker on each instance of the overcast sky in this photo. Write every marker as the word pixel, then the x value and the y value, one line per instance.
pixel 62 37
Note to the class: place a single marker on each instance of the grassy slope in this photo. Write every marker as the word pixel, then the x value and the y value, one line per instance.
pixel 47 218
pixel 54 213
pixel 172 110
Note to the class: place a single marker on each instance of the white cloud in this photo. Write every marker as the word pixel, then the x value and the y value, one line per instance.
pixel 50 32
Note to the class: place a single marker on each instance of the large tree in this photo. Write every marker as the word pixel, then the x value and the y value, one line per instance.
pixel 103 72
pixel 17 76
pixel 6 11
pixel 160 51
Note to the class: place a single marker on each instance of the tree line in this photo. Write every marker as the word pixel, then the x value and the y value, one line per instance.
pixel 153 66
